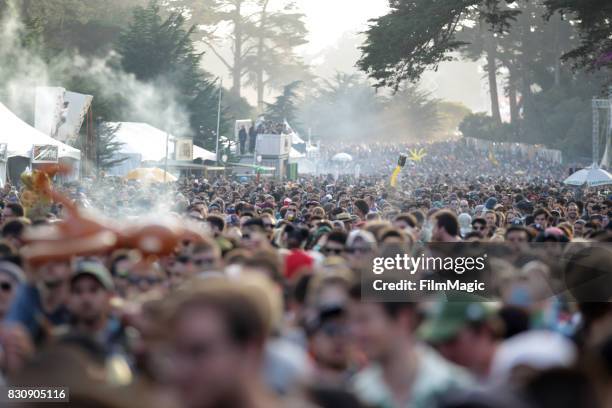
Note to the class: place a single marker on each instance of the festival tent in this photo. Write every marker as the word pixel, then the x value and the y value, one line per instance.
pixel 342 157
pixel 20 138
pixel 140 143
pixel 592 176
pixel 295 154
pixel 200 153
pixel 151 175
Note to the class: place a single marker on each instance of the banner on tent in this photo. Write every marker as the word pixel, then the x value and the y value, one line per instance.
pixel 78 105
pixel 45 154
pixel 184 149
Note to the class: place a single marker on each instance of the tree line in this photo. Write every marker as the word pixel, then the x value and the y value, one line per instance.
pixel 547 58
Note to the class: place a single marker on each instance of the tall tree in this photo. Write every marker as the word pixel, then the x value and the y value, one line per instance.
pixel 286 105
pixel 420 34
pixel 275 62
pixel 347 108
pixel 89 26
pixel 262 40
pixel 161 51
pixel 592 17
pixel 412 113
pixel 107 146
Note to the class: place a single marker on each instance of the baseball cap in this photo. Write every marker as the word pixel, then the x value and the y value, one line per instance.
pixel 450 317
pixel 97 271
pixel 13 271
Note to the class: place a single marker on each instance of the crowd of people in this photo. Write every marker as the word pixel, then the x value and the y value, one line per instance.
pixel 247 138
pixel 262 304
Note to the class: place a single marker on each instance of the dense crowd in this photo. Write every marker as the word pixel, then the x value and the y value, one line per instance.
pixel 263 306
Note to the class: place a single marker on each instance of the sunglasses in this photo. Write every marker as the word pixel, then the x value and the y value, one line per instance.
pixel 336 251
pixel 54 284
pixel 6 286
pixel 203 262
pixel 334 330
pixel 478 228
pixel 358 250
pixel 136 280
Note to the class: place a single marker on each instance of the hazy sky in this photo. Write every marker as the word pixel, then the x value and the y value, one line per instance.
pixel 333 46
pixel 327 20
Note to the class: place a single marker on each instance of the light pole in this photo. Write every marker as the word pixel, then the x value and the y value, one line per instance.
pixel 166 160
pixel 219 118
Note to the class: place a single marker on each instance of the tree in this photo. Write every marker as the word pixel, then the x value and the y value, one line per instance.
pixel 347 108
pixel 107 147
pixel 275 62
pixel 412 113
pixel 264 35
pixel 420 34
pixel 451 115
pixel 592 17
pixel 482 126
pixel 285 107
pixel 343 108
pixel 161 52
pixel 89 26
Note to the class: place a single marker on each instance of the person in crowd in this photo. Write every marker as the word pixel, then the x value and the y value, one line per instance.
pixel 255 291
pixel 242 139
pixel 217 332
pixel 89 305
pixel 11 211
pixel 327 337
pixel 445 227
pixel 466 333
pixel 402 372
pixel 11 278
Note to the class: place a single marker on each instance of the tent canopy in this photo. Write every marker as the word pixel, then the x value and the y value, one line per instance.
pixel 592 176
pixel 200 153
pixel 342 157
pixel 20 137
pixel 144 140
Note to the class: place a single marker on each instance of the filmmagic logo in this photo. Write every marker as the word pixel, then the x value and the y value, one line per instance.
pixel 411 264
pixel 428 285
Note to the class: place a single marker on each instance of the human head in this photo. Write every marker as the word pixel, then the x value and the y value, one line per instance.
pixel 479 225
pixel 463 334
pixel 579 228
pixel 218 331
pixel 91 288
pixel 518 235
pixel 327 337
pixel 381 330
pixel 445 226
pixel 361 208
pixel 205 256
pixel 12 211
pixel 541 217
pixel 11 276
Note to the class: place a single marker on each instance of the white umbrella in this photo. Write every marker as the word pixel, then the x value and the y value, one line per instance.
pixel 342 157
pixel 592 176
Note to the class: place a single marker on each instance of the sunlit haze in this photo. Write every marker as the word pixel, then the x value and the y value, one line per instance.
pixel 328 20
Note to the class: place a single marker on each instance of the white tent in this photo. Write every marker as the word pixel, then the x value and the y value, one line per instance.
pixel 295 154
pixel 144 140
pixel 592 176
pixel 200 153
pixel 342 157
pixel 20 137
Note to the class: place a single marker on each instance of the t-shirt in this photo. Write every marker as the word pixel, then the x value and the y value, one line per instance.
pixel 27 310
pixel 435 377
